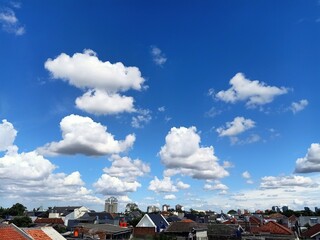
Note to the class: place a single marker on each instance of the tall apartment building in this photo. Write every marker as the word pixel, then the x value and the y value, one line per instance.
pixel 111 205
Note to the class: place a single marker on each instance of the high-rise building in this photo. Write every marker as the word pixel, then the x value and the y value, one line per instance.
pixel 111 205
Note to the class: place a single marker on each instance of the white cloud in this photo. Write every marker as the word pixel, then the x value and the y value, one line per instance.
pixel 237 126
pixel 143 117
pixel 100 102
pixel 217 186
pixel 246 175
pixel 253 92
pixel 121 177
pixel 182 154
pixel 157 55
pixel 182 185
pixel 170 197
pixel 165 185
pixel 102 81
pixel 81 135
pixel 29 177
pixel 311 162
pixel 73 179
pixel 109 185
pixel 10 23
pixel 272 182
pixel 7 135
pixel 299 106
pixel 161 109
pixel 125 167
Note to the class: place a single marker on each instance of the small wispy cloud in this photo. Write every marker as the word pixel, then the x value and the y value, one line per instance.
pixel 158 56
pixel 299 106
pixel 10 23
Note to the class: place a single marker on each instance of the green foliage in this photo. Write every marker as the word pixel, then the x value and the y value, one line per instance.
pixel 17 210
pixel 22 221
pixel 232 212
pixel 134 222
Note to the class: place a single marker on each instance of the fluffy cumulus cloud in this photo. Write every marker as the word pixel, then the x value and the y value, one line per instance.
pixel 102 81
pixel 254 93
pixel 182 185
pixel 272 182
pixel 28 176
pixel 81 135
pixel 100 102
pixel 299 106
pixel 157 55
pixel 121 177
pixel 311 161
pixel 182 154
pixel 127 168
pixel 109 185
pixel 7 135
pixel 164 185
pixel 10 23
pixel 237 126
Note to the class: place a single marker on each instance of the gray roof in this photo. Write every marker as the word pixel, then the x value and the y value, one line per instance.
pixel 108 228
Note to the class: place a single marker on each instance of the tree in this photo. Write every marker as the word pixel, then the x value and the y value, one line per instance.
pixel 17 210
pixel 22 221
pixel 232 212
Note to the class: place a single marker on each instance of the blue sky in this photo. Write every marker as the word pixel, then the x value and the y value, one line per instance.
pixel 211 105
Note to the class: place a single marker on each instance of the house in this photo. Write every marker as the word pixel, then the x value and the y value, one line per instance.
pixel 50 221
pixel 186 230
pixel 12 232
pixel 312 233
pixel 57 212
pixel 92 217
pixel 292 220
pixel 44 233
pixel 308 220
pixel 223 231
pixel 279 218
pixel 271 230
pixel 102 231
pixel 150 224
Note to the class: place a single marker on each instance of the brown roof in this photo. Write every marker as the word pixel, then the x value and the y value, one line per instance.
pixel 49 220
pixel 314 230
pixel 277 215
pixel 10 232
pixel 273 228
pixel 38 234
pixel 293 218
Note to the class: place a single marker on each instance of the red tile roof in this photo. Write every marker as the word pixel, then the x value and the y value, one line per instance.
pixel 313 231
pixel 11 232
pixel 273 228
pixel 37 234
pixel 49 220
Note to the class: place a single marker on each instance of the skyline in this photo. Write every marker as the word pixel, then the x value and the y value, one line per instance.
pixel 210 105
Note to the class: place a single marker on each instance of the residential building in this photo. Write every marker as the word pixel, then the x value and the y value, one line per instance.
pixel 111 205
pixel 130 207
pixel 312 233
pixel 152 209
pixel 165 207
pixel 187 230
pixel 150 224
pixel 179 208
